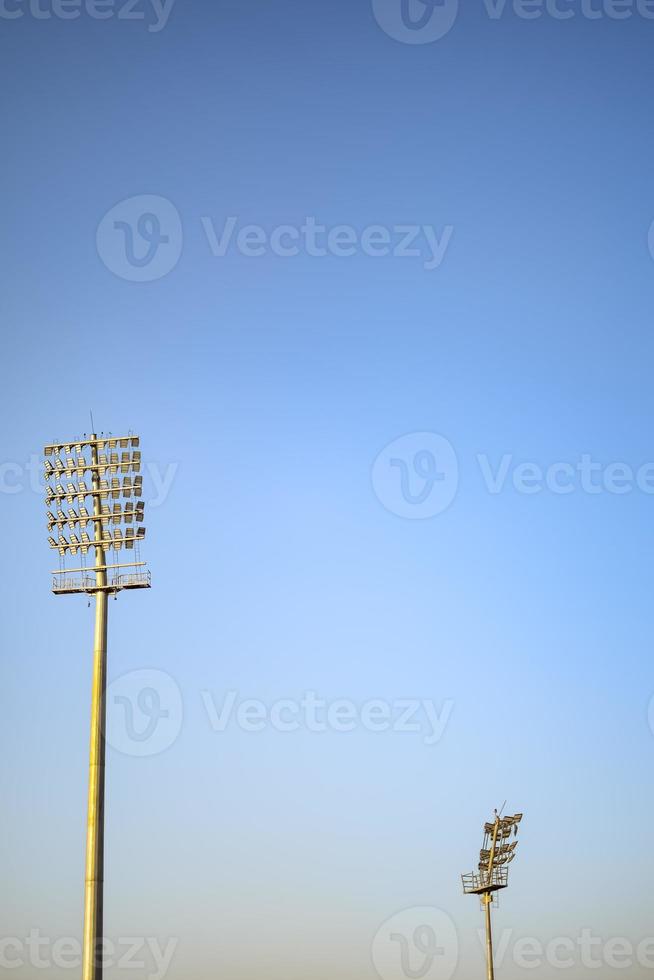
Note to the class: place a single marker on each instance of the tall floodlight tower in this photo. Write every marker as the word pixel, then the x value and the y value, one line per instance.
pixel 497 852
pixel 98 482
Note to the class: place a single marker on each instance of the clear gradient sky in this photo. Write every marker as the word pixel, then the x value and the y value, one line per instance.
pixel 284 560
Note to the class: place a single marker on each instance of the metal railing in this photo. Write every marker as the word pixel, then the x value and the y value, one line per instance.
pixel 135 580
pixel 478 881
pixel 87 583
pixel 61 584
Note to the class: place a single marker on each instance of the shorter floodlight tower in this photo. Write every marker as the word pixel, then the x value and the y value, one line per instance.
pixel 496 854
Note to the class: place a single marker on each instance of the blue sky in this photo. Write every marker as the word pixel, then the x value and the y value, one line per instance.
pixel 264 388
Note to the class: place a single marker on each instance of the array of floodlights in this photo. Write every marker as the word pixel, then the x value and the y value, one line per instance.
pixel 93 486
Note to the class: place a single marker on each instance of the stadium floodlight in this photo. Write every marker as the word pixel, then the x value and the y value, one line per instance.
pixel 82 460
pixel 497 851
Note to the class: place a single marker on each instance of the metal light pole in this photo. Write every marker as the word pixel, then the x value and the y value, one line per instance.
pixel 73 460
pixel 490 968
pixel 493 873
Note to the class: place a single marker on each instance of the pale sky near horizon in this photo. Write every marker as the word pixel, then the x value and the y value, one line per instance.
pixel 380 311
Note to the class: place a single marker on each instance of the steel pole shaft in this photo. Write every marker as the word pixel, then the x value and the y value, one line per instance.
pixel 489 938
pixel 94 878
